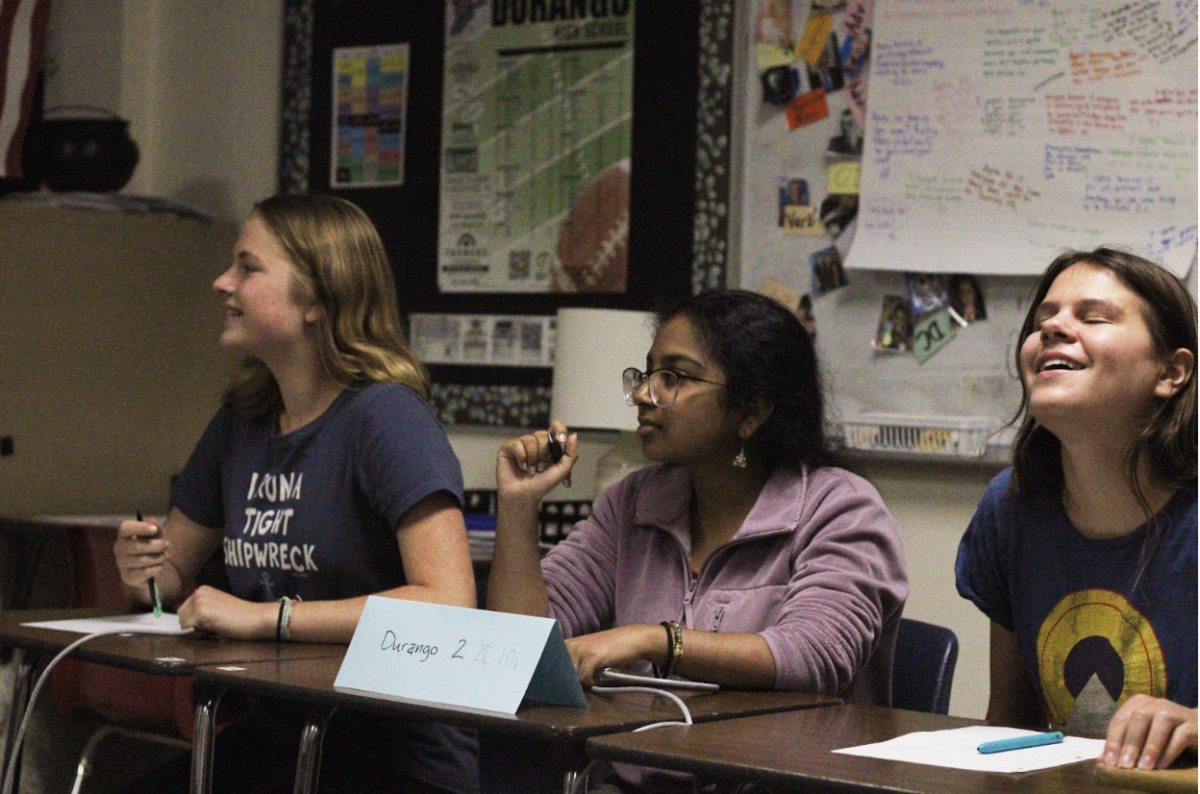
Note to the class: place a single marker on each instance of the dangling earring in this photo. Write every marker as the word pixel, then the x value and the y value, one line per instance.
pixel 740 461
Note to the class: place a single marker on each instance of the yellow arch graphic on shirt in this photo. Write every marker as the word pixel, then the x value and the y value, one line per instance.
pixel 1098 613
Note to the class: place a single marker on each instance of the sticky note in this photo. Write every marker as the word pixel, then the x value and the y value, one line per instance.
pixel 807 108
pixel 768 55
pixel 802 219
pixel 843 178
pixel 816 32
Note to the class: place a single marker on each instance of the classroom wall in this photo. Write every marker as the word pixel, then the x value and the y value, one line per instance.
pixel 201 88
pixel 198 82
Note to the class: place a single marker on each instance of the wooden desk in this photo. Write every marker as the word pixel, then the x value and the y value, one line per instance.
pixel 31 545
pixel 791 751
pixel 1176 780
pixel 156 654
pixel 563 730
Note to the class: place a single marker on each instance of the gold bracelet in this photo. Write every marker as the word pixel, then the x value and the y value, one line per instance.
pixel 674 645
pixel 677 649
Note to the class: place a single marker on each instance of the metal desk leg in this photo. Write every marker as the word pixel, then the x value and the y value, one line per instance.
pixel 205 734
pixel 22 688
pixel 576 780
pixel 308 762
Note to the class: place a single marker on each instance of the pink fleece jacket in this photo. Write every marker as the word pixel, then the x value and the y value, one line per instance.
pixel 816 569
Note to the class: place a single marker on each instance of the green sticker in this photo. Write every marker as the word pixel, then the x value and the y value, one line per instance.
pixel 933 331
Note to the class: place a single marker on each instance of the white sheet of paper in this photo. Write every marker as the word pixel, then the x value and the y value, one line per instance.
pixel 959 749
pixel 141 623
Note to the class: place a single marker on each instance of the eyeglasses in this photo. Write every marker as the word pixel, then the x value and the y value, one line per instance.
pixel 664 385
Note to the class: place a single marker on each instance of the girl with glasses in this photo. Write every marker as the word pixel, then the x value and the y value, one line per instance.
pixel 744 558
pixel 1083 554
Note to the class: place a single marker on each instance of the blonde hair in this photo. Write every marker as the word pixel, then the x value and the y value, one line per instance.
pixel 339 264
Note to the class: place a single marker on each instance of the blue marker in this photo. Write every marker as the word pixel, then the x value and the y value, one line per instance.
pixel 1021 742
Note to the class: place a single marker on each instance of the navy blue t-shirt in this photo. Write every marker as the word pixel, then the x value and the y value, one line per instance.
pixel 1095 621
pixel 313 514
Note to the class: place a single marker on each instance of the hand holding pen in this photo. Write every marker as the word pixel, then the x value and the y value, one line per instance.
pixel 140 552
pixel 155 600
pixel 556 454
pixel 531 466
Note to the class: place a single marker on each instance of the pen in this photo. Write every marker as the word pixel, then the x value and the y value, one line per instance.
pixel 1021 742
pixel 556 453
pixel 155 600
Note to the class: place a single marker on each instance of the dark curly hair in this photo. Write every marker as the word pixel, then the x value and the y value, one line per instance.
pixel 766 355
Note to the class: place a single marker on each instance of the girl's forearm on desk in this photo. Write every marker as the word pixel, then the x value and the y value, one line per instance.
pixel 515 582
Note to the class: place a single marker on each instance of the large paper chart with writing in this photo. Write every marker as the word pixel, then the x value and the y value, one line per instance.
pixel 1001 131
pixel 536 133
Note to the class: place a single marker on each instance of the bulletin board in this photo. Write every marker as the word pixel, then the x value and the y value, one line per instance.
pixel 972 376
pixel 678 183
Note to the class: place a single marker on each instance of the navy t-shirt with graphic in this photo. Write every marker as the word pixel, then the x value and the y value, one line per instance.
pixel 313 514
pixel 1097 621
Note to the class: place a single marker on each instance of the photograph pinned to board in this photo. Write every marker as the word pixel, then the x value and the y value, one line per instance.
pixel 966 299
pixel 856 47
pixel 799 305
pixel 927 292
pixel 837 212
pixel 827 271
pixel 854 23
pixel 779 84
pixel 894 334
pixel 826 72
pixel 849 140
pixel 774 52
pixel 773 34
pixel 929 303
pixel 793 192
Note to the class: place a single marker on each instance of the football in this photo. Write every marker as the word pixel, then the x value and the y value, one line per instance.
pixel 593 241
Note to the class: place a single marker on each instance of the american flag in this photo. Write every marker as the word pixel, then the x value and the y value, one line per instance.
pixel 22 33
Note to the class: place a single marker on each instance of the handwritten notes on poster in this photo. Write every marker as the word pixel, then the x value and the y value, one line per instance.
pixel 999 133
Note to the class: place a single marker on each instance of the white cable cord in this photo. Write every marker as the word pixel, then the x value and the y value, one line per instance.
pixel 10 773
pixel 687 715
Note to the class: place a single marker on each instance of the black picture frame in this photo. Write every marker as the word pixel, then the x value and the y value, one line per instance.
pixel 679 189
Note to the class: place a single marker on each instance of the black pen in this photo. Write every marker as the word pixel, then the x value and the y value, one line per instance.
pixel 155 600
pixel 556 454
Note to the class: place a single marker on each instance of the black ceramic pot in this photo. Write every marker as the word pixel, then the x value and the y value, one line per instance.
pixel 93 153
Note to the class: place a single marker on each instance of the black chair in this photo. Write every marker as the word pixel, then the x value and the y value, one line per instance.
pixel 923 670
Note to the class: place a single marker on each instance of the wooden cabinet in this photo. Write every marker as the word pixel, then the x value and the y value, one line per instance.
pixel 109 363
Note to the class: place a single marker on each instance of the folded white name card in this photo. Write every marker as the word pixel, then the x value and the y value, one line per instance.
pixel 459 657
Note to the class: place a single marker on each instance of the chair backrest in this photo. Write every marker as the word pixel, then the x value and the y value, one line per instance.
pixel 162 704
pixel 923 669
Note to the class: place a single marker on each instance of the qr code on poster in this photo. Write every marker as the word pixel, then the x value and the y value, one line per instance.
pixel 518 265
